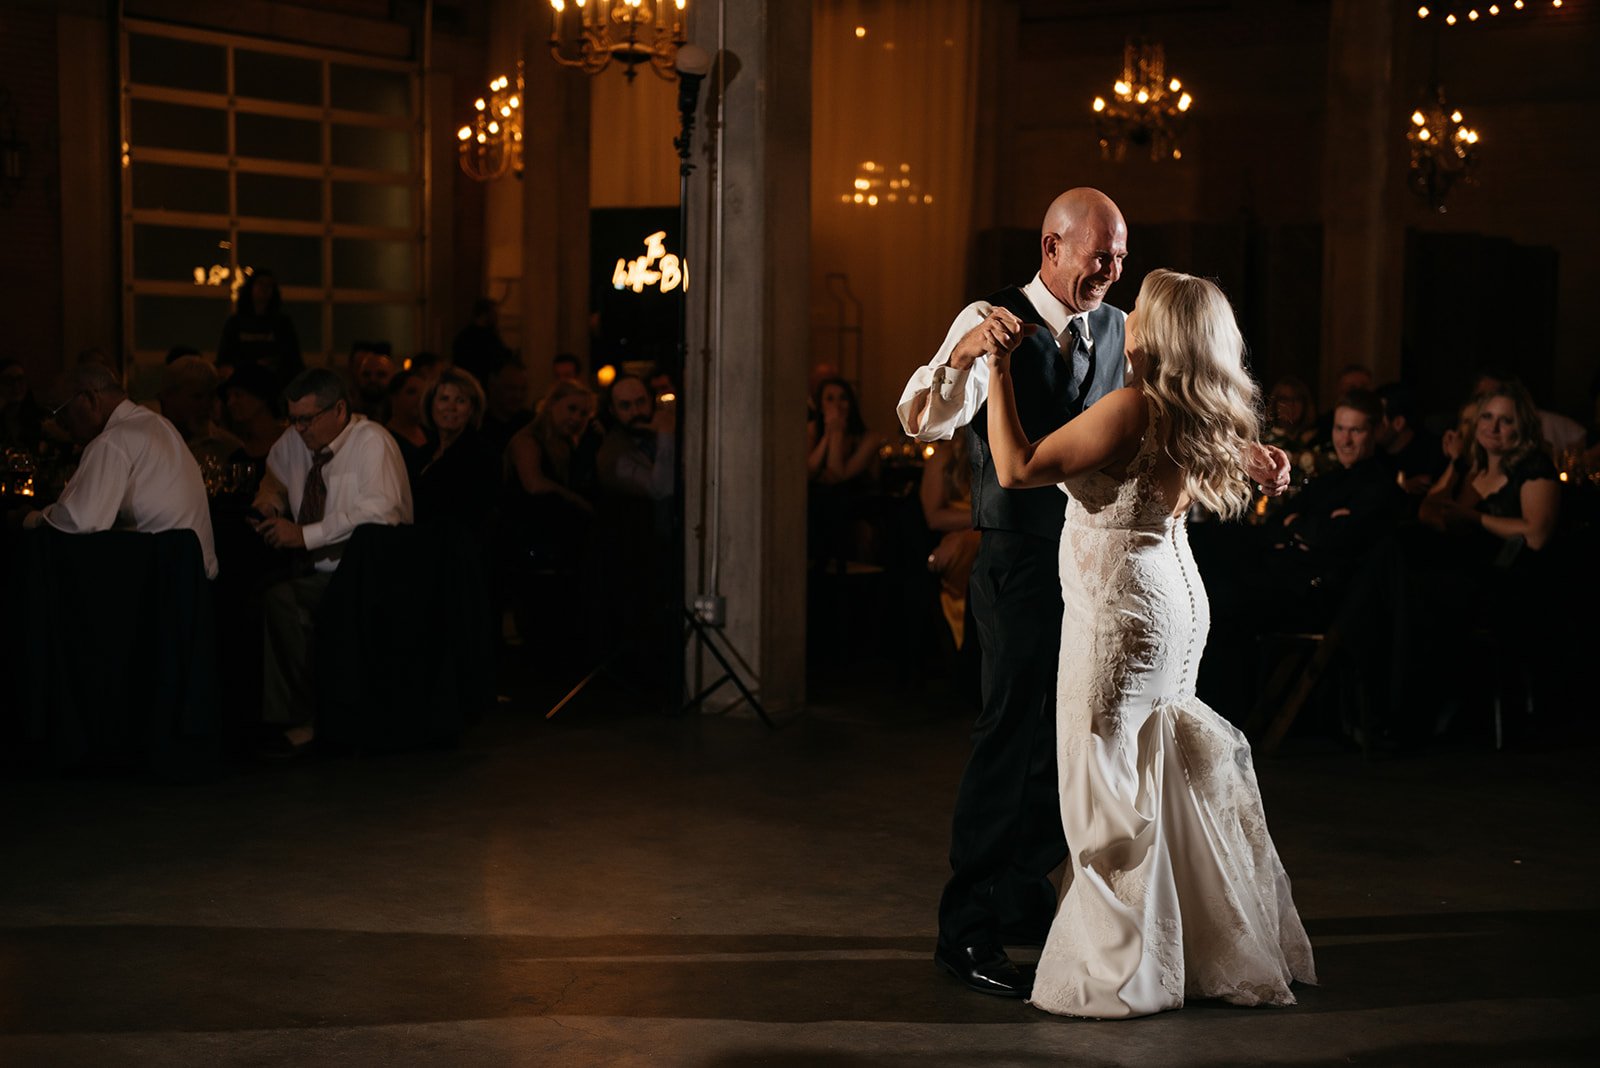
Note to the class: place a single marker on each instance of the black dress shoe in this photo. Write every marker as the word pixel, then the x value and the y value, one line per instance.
pixel 985 969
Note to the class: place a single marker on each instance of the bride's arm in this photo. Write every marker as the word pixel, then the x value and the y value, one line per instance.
pixel 1105 433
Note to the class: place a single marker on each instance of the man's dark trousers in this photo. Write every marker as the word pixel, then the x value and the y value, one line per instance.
pixel 1006 835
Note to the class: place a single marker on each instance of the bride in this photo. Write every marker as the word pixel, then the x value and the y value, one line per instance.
pixel 1174 888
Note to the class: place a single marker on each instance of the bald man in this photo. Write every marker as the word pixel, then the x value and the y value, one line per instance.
pixel 1006 833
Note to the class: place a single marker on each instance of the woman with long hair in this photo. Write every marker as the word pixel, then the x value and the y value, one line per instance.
pixel 1175 889
pixel 1503 483
pixel 546 539
pixel 544 456
pixel 839 448
pixel 458 478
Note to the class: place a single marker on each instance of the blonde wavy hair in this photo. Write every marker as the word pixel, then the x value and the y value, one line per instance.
pixel 1205 403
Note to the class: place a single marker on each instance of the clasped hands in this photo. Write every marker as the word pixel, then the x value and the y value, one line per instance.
pixel 996 337
pixel 1001 332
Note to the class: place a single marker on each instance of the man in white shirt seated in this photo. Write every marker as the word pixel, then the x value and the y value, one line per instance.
pixel 329 473
pixel 135 472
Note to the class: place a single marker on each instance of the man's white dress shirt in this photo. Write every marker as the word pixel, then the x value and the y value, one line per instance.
pixel 954 397
pixel 366 482
pixel 137 474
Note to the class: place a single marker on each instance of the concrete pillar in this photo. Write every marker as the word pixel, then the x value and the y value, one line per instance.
pixel 1363 239
pixel 744 429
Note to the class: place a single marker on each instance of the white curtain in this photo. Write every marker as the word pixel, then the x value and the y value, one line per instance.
pixel 894 84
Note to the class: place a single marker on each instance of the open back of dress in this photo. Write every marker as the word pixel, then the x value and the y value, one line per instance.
pixel 1175 889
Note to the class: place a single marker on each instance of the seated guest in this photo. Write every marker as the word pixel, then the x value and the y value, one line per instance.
pixel 1292 414
pixel 250 401
pixel 636 477
pixel 547 519
pixel 406 390
pixel 188 400
pixel 1352 376
pixel 1504 485
pixel 460 474
pixel 1326 530
pixel 1466 568
pixel 637 455
pixel 1346 510
pixel 544 457
pixel 372 371
pixel 946 495
pixel 1562 434
pixel 507 408
pixel 839 448
pixel 331 472
pixel 21 418
pixel 135 472
pixel 1321 559
pixel 842 462
pixel 1414 454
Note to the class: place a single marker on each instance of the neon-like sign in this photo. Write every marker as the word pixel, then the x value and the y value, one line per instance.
pixel 638 273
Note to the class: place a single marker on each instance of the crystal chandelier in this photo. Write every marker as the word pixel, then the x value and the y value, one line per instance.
pixel 1443 150
pixel 1147 109
pixel 490 146
pixel 632 32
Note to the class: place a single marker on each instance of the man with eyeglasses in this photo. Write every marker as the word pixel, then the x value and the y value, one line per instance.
pixel 329 473
pixel 136 473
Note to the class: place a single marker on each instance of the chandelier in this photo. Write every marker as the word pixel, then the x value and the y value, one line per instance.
pixel 1146 108
pixel 1443 150
pixel 490 146
pixel 1471 11
pixel 876 184
pixel 632 32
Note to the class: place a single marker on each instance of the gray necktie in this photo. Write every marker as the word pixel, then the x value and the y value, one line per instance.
pixel 1082 361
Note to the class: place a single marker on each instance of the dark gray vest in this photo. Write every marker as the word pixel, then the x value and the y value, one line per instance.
pixel 1047 397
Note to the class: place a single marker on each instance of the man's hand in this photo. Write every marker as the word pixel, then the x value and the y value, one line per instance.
pixel 998 334
pixel 33 520
pixel 1268 466
pixel 280 533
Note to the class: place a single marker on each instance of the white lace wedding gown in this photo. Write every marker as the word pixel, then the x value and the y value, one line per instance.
pixel 1174 888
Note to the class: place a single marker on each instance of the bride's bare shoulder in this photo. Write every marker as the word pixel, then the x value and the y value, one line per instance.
pixel 1127 408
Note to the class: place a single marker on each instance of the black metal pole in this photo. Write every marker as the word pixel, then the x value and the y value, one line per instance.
pixel 688 97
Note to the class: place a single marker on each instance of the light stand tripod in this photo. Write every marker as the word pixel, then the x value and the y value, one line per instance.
pixel 705 618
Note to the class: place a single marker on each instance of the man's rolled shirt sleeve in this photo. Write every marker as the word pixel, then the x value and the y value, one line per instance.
pixel 953 397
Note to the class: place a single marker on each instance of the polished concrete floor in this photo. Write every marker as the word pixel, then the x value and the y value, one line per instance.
pixel 613 888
